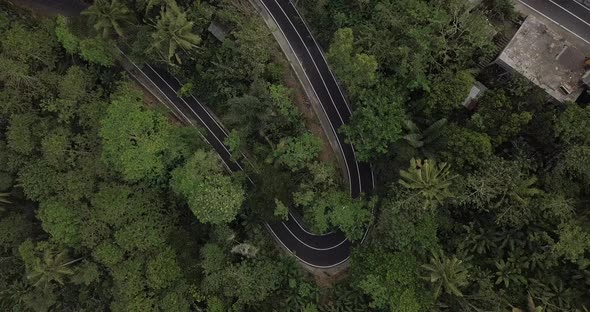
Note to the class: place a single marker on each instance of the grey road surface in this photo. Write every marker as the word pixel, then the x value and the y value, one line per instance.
pixel 568 14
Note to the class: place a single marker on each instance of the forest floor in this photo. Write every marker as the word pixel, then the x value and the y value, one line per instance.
pixel 312 122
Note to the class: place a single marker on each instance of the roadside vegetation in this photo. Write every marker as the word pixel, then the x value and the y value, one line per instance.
pixel 107 203
pixel 482 209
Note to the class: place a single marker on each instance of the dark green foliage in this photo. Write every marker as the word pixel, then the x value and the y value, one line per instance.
pixel 357 71
pixel 445 96
pixel 517 218
pixel 68 40
pixel 108 17
pixel 429 181
pixel 499 117
pixel 404 227
pixel 573 124
pixel 296 152
pixel 475 147
pixel 97 51
pixel 173 31
pixel 95 185
pixel 379 117
pixel 390 279
pixel 447 274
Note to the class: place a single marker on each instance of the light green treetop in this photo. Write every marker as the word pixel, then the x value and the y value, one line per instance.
pixel 429 179
pixel 108 17
pixel 137 142
pixel 212 196
pixel 173 31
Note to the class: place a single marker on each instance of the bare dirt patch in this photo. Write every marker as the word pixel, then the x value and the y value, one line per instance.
pixel 300 100
pixel 327 281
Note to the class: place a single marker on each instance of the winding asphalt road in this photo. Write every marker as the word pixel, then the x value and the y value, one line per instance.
pixel 320 251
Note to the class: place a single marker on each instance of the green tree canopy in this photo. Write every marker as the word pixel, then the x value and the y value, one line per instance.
pixel 357 71
pixel 45 265
pixel 108 17
pixel 447 92
pixel 138 142
pixel 499 117
pixel 375 124
pixel 62 221
pixel 390 279
pixel 429 180
pixel 172 31
pixel 504 187
pixel 212 196
pixel 296 152
pixel 475 147
pixel 351 216
pixel 446 274
pixel 573 125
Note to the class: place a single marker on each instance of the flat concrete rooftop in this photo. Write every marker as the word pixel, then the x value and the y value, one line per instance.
pixel 544 56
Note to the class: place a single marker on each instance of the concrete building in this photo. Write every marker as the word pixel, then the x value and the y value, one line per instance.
pixel 544 56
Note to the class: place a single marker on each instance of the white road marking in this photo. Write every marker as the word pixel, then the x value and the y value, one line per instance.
pixel 331 126
pixel 558 24
pixel 306 231
pixel 206 111
pixel 325 61
pixel 335 81
pixel 312 60
pixel 314 91
pixel 226 165
pixel 574 15
pixel 185 102
pixel 296 256
pixel 169 86
pixel 219 125
pixel 329 93
pixel 339 89
pixel 223 161
pixel 308 246
pixel 578 3
pixel 205 124
pixel 327 90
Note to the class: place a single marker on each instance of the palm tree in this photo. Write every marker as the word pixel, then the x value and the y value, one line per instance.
pixel 418 138
pixel 517 194
pixel 149 4
pixel 108 17
pixel 448 274
pixel 52 267
pixel 14 294
pixel 173 30
pixel 4 200
pixel 523 190
pixel 430 180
